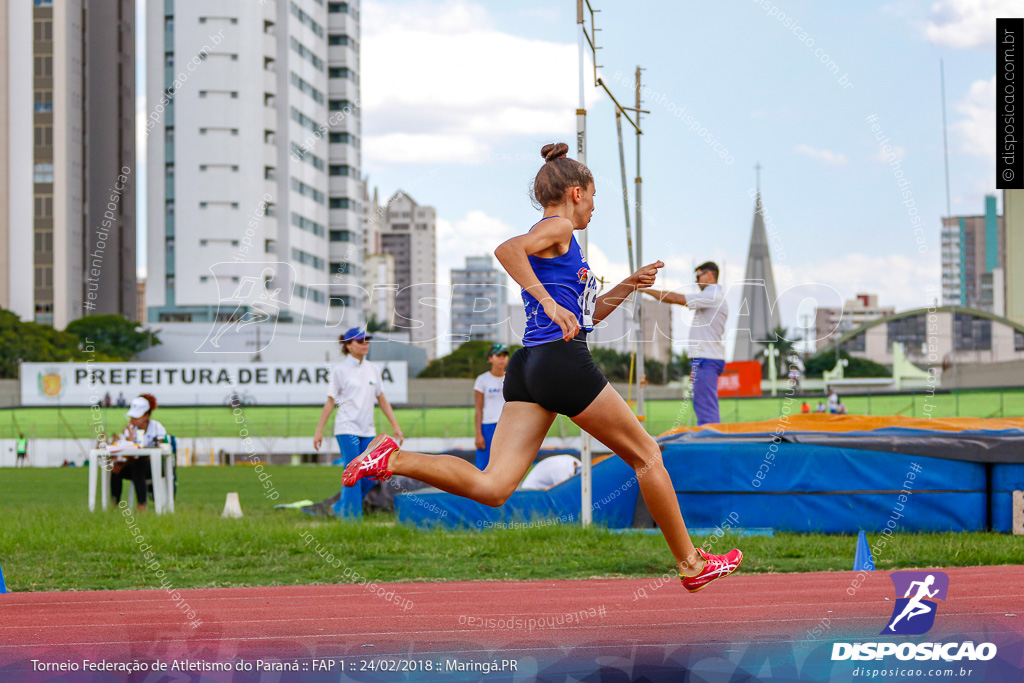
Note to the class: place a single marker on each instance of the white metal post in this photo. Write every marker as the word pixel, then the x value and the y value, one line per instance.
pixel 586 491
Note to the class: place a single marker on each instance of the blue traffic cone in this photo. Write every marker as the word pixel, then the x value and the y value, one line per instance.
pixel 862 560
pixel 3 586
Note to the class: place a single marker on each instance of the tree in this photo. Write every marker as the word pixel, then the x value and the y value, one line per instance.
pixel 825 359
pixel 113 335
pixel 467 362
pixel 374 325
pixel 612 364
pixel 786 348
pixel 679 366
pixel 31 342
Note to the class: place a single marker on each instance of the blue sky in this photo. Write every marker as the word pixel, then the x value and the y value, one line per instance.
pixel 459 96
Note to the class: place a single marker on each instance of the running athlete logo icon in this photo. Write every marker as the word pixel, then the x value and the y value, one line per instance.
pixel 582 273
pixel 916 588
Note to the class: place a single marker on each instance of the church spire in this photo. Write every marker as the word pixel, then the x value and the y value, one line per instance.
pixel 758 314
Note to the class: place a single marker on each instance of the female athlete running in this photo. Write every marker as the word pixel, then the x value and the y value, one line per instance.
pixel 554 373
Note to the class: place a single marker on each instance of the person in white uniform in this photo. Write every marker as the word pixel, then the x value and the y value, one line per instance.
pixel 355 386
pixel 707 350
pixel 489 400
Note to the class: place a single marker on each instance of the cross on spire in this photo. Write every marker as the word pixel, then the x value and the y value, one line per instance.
pixel 757 170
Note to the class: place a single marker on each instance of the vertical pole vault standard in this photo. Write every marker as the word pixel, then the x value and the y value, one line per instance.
pixel 586 492
pixel 625 190
pixel 638 320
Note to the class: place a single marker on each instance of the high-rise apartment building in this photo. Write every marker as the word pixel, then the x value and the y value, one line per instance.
pixel 254 160
pixel 1013 208
pixel 67 159
pixel 407 232
pixel 974 260
pixel 478 297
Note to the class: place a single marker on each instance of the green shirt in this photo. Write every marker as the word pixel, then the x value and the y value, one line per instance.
pixel 22 446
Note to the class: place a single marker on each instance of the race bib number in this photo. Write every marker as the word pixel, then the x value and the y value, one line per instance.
pixel 588 300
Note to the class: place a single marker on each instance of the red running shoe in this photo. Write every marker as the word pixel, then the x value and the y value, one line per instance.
pixel 715 567
pixel 373 462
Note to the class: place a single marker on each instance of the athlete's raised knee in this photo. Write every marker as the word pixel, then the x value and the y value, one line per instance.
pixel 495 499
pixel 495 495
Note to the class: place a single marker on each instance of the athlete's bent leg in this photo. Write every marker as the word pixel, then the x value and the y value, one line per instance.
pixel 517 438
pixel 609 420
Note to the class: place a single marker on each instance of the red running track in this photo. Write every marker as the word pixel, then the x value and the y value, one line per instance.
pixel 482 621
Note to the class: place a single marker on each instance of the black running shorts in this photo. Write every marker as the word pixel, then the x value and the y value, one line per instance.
pixel 559 376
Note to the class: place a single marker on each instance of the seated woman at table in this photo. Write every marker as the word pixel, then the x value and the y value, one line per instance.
pixel 146 432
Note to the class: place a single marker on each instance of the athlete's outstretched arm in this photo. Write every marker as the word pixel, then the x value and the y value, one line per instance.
pixel 641 279
pixel 554 234
pixel 667 297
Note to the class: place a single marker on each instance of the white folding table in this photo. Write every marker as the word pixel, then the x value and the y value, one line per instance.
pixel 161 462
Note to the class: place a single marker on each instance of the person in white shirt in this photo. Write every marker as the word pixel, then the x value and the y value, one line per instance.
pixel 833 401
pixel 355 386
pixel 707 350
pixel 489 400
pixel 145 432
pixel 551 471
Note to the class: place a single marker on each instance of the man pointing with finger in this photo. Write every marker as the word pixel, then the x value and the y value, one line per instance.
pixel 707 350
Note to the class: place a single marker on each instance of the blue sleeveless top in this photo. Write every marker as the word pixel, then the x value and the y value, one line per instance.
pixel 573 287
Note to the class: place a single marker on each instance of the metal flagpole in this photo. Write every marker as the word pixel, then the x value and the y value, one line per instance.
pixel 586 490
pixel 625 189
pixel 581 154
pixel 638 320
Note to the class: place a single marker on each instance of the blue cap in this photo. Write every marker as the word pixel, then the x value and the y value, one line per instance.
pixel 356 334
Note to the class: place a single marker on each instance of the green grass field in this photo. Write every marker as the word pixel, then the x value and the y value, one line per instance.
pixel 49 541
pixel 208 421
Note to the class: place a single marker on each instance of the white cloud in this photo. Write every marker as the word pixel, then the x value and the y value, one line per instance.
pixel 475 234
pixel 463 93
pixel 826 156
pixel 548 14
pixel 898 279
pixel 451 17
pixel 963 24
pixel 422 148
pixel 977 130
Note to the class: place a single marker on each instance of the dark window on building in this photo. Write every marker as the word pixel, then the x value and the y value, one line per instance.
pixel 910 332
pixel 972 333
pixel 341 236
pixel 1018 340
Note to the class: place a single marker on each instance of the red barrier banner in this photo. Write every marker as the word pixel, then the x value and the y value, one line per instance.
pixel 742 378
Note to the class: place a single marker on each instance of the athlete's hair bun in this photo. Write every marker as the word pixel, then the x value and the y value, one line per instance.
pixel 554 151
pixel 553 180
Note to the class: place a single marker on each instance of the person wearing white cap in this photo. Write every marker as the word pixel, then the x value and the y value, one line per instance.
pixel 356 385
pixel 143 430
